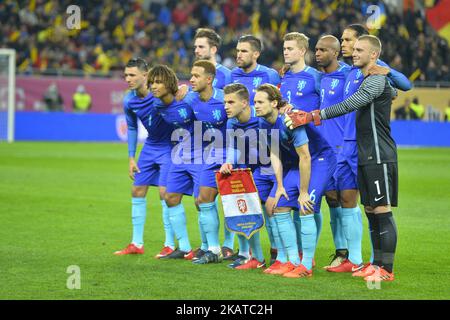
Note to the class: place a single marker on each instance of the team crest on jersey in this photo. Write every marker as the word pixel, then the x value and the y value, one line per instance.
pixel 358 74
pixel 334 83
pixel 242 205
pixel 301 85
pixel 217 114
pixel 257 82
pixel 183 113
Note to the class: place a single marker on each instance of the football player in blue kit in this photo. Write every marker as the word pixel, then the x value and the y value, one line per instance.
pixel 251 74
pixel 208 107
pixel 332 91
pixel 242 152
pixel 206 45
pixel 303 165
pixel 154 160
pixel 300 87
pixel 186 155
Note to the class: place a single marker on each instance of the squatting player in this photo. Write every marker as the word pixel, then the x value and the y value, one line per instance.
pixel 292 166
pixel 242 127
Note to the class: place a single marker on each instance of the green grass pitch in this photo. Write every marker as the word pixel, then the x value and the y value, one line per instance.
pixel 68 204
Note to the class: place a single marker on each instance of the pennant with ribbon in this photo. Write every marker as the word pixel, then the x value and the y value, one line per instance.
pixel 241 203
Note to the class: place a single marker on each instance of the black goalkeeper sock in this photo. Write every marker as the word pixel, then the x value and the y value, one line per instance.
pixel 375 239
pixel 388 239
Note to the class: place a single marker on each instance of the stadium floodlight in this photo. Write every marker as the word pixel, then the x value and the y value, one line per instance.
pixel 7 93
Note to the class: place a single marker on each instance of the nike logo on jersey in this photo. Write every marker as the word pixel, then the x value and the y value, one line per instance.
pixel 378 199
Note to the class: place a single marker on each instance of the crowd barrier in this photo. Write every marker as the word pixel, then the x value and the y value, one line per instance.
pixel 60 126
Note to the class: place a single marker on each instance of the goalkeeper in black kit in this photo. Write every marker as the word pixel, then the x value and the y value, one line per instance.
pixel 377 153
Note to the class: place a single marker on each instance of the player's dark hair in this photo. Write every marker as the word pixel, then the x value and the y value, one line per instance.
pixel 255 43
pixel 166 75
pixel 214 40
pixel 207 65
pixel 138 62
pixel 273 93
pixel 359 29
pixel 238 89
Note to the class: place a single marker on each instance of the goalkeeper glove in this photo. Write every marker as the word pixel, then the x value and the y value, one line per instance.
pixel 299 118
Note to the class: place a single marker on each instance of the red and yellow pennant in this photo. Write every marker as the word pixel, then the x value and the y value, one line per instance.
pixel 241 204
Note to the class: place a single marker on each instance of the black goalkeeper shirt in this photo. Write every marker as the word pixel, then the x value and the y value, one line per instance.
pixel 372 103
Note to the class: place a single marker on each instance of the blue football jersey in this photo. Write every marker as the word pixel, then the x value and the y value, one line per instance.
pixel 302 89
pixel 211 113
pixel 213 117
pixel 181 115
pixel 159 131
pixel 254 79
pixel 288 140
pixel 332 92
pixel 223 76
pixel 242 142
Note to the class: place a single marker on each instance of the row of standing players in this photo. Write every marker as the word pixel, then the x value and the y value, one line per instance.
pixel 331 150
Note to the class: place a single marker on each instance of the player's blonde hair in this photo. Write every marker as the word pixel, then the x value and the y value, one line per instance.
pixel 374 42
pixel 301 39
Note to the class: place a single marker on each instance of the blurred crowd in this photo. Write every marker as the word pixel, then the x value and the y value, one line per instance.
pixel 162 32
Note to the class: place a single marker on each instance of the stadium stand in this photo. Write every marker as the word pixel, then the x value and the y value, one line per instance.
pixel 162 31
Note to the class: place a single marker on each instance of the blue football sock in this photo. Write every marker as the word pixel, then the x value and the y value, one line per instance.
pixel 204 245
pixel 318 219
pixel 336 228
pixel 286 230
pixel 255 245
pixel 243 246
pixel 268 227
pixel 298 229
pixel 352 227
pixel 281 252
pixel 209 219
pixel 138 215
pixel 177 218
pixel 309 237
pixel 229 238
pixel 168 231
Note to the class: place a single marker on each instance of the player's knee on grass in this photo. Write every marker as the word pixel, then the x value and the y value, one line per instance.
pixel 173 199
pixel 139 191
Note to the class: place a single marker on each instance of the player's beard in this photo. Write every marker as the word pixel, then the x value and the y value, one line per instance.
pixel 246 66
pixel 208 58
